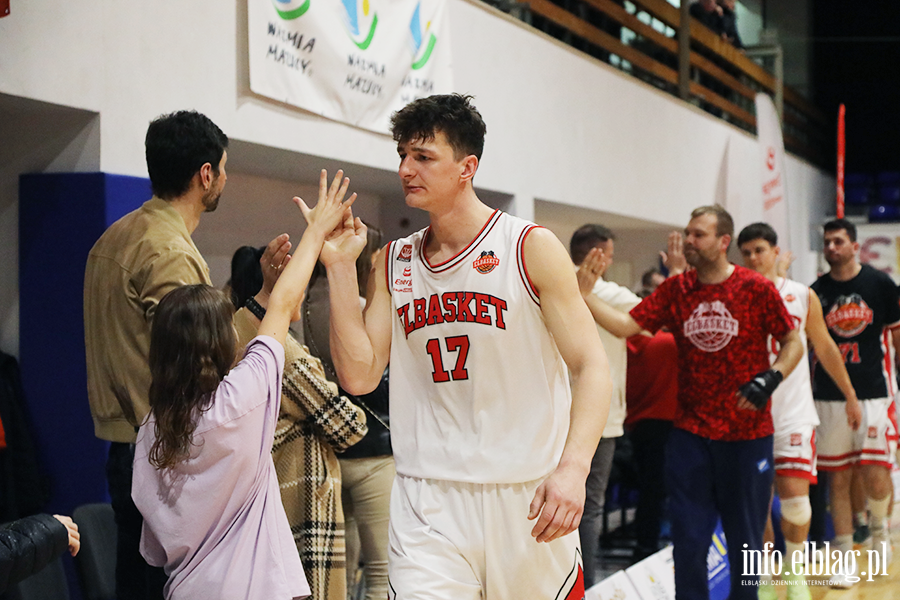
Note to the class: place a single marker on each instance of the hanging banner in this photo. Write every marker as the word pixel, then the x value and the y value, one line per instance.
pixel 354 61
pixel 771 145
pixel 879 247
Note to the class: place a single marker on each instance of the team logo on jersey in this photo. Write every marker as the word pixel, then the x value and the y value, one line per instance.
pixel 711 326
pixel 849 316
pixel 486 263
pixel 405 253
pixel 796 439
pixel 790 298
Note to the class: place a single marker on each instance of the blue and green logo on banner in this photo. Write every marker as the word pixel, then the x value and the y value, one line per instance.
pixel 291 9
pixel 421 49
pixel 360 24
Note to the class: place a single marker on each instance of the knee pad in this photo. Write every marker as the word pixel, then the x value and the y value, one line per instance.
pixel 796 510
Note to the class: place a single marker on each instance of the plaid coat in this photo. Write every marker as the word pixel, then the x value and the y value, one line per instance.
pixel 313 423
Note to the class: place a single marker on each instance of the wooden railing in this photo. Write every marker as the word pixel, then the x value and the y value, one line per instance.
pixel 722 79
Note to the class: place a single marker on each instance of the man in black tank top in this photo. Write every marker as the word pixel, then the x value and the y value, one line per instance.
pixel 862 313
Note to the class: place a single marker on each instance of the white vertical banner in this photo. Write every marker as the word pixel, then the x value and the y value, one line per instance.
pixel 771 147
pixel 354 61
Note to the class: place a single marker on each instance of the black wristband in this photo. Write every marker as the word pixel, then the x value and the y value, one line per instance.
pixel 255 307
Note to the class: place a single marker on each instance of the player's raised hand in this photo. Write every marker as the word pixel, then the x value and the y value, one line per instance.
pixel 558 505
pixel 344 243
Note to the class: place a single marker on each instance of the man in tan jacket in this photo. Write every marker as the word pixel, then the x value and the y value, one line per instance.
pixel 138 260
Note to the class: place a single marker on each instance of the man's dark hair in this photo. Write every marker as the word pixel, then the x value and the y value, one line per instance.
pixel 452 114
pixel 586 239
pixel 177 145
pixel 647 277
pixel 838 224
pixel 757 231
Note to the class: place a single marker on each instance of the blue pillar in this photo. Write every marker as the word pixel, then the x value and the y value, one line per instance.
pixel 61 215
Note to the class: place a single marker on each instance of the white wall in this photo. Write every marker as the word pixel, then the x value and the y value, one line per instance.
pixel 562 128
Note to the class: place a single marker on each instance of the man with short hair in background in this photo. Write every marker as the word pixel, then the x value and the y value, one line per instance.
pixel 793 410
pixel 720 451
pixel 587 239
pixel 138 260
pixel 861 310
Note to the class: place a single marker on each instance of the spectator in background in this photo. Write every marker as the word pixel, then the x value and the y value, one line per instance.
pixel 721 316
pixel 204 478
pixel 709 13
pixel 650 280
pixel 729 30
pixel 31 543
pixel 314 421
pixel 592 247
pixel 367 468
pixel 138 260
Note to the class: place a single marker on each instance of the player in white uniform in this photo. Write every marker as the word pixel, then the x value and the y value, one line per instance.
pixel 793 409
pixel 476 314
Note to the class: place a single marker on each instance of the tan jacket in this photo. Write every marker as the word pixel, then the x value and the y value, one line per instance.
pixel 138 260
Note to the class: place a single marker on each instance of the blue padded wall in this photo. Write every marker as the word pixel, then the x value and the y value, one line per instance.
pixel 61 215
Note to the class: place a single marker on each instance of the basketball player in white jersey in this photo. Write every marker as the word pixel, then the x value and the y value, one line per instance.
pixel 793 410
pixel 479 315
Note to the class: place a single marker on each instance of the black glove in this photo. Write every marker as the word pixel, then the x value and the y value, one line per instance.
pixel 759 389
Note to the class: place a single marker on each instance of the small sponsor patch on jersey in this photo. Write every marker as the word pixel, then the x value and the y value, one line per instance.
pixel 796 439
pixel 403 284
pixel 873 433
pixel 790 298
pixel 405 253
pixel 486 263
pixel 763 465
pixel 407 271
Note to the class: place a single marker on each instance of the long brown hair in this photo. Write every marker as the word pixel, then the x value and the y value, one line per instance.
pixel 192 348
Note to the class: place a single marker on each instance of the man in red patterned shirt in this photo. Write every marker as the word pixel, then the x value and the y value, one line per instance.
pixel 720 463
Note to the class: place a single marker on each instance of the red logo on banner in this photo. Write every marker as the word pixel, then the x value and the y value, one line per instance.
pixel 770 159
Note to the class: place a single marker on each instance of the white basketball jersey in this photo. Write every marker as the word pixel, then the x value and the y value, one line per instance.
pixel 479 392
pixel 792 401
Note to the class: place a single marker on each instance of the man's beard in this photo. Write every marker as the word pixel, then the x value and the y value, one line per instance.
pixel 211 198
pixel 211 204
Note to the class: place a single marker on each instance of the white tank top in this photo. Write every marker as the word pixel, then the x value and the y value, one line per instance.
pixel 479 392
pixel 792 401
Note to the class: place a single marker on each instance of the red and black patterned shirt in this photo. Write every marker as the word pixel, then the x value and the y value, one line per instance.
pixel 721 331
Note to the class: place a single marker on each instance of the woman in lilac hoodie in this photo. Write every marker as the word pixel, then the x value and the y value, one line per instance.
pixel 203 474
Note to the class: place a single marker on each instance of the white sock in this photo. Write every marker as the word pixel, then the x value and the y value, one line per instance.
pixel 844 543
pixel 791 547
pixel 879 510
